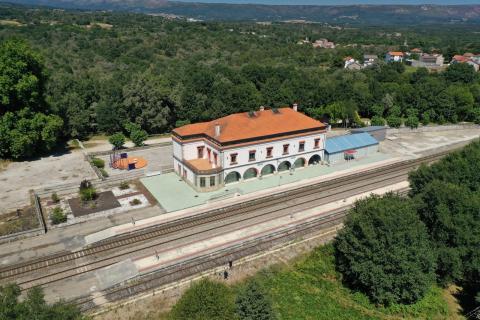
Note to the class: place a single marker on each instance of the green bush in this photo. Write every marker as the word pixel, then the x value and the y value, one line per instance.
pixel 138 137
pixel 412 122
pixel 55 198
pixel 205 300
pixel 135 202
pixel 377 121
pixel 117 140
pixel 394 121
pixel 384 251
pixel 58 216
pixel 104 173
pixel 87 191
pixel 253 304
pixel 88 194
pixel 124 185
pixel 99 163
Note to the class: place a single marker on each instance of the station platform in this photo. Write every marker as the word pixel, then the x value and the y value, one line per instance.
pixel 173 194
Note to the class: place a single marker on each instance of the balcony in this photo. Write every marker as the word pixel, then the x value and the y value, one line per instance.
pixel 203 166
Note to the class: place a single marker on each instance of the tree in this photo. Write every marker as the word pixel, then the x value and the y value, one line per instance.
pixel 394 121
pixel 253 304
pixel 136 134
pixel 205 300
pixel 450 213
pixel 377 121
pixel 412 118
pixel 22 78
pixel 384 251
pixel 33 306
pixel 460 72
pixel 117 140
pixel 25 128
pixel 147 103
pixel 138 137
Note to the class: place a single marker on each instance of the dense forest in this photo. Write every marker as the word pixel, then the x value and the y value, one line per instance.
pixel 100 71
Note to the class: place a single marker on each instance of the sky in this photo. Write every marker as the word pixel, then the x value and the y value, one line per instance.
pixel 340 2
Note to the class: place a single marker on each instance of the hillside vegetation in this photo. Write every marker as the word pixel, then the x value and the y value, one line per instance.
pixel 102 72
pixel 345 14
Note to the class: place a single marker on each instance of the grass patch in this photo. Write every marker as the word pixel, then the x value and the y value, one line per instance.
pixel 312 289
pixel 14 222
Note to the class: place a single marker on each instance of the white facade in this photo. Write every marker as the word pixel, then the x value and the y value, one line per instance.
pixel 235 164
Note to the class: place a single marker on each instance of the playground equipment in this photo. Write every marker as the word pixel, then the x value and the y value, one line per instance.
pixel 121 160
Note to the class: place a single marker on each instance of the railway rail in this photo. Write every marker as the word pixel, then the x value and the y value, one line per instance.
pixel 98 263
pixel 184 269
pixel 20 270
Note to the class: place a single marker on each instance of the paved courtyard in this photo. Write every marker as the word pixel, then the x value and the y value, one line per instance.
pixel 19 177
pixel 174 194
pixel 415 143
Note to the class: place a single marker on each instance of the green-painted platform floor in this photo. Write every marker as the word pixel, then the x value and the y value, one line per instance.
pixel 174 194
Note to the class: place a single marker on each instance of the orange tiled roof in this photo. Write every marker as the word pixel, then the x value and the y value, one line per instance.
pixel 242 126
pixel 460 58
pixel 395 53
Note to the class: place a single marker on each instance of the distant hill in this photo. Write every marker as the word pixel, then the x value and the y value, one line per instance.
pixel 353 14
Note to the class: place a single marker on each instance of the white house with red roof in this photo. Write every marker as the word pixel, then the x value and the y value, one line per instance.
pixel 247 145
pixel 394 56
pixel 468 58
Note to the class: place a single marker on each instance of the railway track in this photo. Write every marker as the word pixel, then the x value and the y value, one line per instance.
pixel 95 251
pixel 151 281
pixel 98 263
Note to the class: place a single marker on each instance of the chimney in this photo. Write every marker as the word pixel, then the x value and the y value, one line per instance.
pixel 262 108
pixel 217 129
pixel 295 107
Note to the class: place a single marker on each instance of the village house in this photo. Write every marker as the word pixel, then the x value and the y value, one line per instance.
pixel 370 60
pixel 323 43
pixel 394 56
pixel 469 58
pixel 429 60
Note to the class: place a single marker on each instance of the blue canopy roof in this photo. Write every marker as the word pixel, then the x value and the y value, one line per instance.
pixel 349 142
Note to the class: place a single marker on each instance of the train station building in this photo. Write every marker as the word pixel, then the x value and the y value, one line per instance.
pixel 244 146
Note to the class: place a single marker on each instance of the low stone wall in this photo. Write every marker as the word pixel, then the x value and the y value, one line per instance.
pixel 145 147
pixel 433 128
pixel 41 229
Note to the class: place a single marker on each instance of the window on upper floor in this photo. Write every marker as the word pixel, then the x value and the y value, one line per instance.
pixel 202 182
pixel 233 158
pixel 200 152
pixel 301 146
pixel 212 181
pixel 269 152
pixel 286 148
pixel 251 155
pixel 317 143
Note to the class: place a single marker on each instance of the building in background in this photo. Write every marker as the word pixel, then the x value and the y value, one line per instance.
pixel 247 145
pixel 469 58
pixel 370 60
pixel 429 60
pixel 323 43
pixel 394 56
